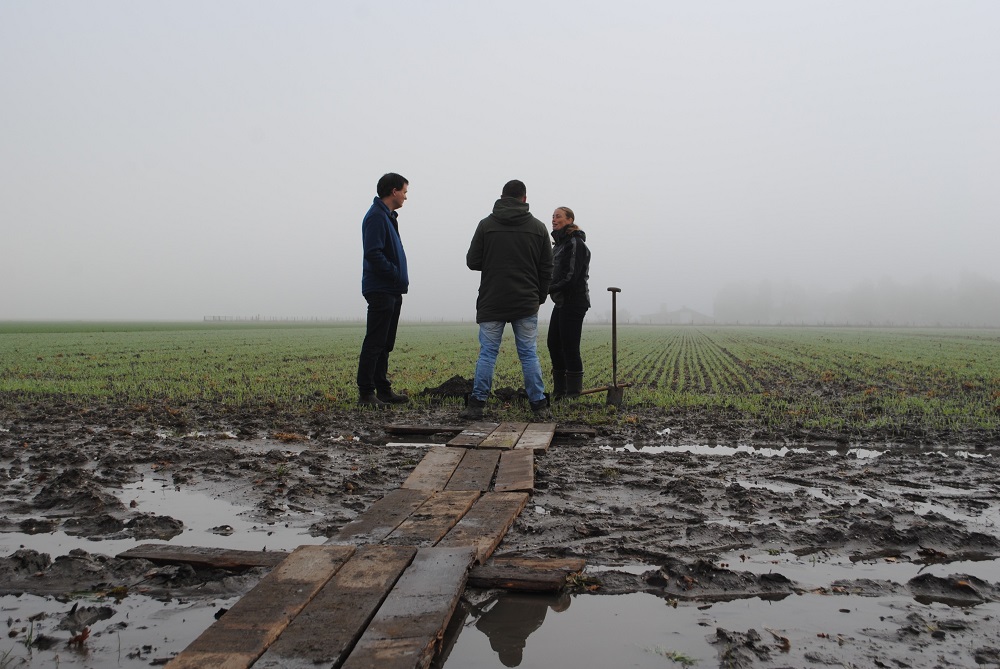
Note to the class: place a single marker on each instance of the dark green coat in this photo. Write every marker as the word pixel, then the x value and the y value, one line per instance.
pixel 511 249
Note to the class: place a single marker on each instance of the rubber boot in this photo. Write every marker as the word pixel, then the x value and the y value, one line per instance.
pixel 558 384
pixel 371 400
pixel 390 397
pixel 574 384
pixel 473 409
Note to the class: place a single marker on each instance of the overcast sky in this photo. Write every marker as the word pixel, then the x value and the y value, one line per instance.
pixel 171 160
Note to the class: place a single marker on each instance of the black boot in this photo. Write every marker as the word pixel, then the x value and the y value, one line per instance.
pixel 574 384
pixel 473 409
pixel 390 397
pixel 558 384
pixel 372 401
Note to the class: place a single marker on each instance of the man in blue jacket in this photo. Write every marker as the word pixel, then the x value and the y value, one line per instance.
pixel 383 282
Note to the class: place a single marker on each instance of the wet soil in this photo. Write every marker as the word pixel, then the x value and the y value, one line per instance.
pixel 646 502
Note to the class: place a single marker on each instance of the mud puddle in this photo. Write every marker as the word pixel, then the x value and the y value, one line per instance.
pixel 136 631
pixel 747 449
pixel 206 519
pixel 645 631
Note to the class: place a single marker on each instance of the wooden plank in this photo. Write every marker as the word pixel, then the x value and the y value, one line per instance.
pixel 565 431
pixel 504 437
pixel 473 435
pixel 407 629
pixel 485 525
pixel 561 431
pixel 326 630
pixel 219 558
pixel 436 468
pixel 381 518
pixel 434 518
pixel 516 471
pixel 537 436
pixel 252 624
pixel 475 472
pixel 421 429
pixel 527 574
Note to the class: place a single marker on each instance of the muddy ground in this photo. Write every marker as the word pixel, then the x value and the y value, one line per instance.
pixel 703 527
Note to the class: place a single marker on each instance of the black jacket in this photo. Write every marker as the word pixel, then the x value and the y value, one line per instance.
pixel 511 249
pixel 571 269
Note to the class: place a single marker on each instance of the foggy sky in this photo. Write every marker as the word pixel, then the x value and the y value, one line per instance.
pixel 171 160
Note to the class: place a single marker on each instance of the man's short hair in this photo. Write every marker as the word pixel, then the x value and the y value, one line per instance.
pixel 514 188
pixel 388 183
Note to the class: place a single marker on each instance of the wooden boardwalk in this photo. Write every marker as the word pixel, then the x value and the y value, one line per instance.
pixel 382 590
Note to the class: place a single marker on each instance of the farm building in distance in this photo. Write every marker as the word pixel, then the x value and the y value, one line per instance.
pixel 682 316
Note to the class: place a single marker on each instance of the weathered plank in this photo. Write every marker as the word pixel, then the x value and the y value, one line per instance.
pixel 537 436
pixel 570 431
pixel 528 574
pixel 485 525
pixel 240 636
pixel 475 472
pixel 473 435
pixel 326 630
pixel 561 431
pixel 433 519
pixel 407 629
pixel 381 518
pixel 516 471
pixel 504 437
pixel 436 468
pixel 423 429
pixel 218 558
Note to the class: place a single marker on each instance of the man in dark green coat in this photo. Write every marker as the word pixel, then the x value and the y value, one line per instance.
pixel 512 251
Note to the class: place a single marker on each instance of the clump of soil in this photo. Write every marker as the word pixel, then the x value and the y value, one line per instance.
pixel 458 386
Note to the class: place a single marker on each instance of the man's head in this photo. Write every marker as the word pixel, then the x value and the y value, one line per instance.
pixel 515 189
pixel 391 189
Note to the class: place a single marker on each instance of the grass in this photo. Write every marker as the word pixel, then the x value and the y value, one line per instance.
pixel 833 379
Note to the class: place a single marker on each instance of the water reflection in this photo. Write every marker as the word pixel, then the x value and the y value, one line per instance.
pixel 512 619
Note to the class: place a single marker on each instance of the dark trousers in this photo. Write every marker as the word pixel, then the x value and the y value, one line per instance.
pixel 565 330
pixel 380 338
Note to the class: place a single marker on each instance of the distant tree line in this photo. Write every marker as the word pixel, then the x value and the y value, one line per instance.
pixel 972 301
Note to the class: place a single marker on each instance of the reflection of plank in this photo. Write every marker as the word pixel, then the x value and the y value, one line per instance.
pixel 505 436
pixel 334 620
pixel 537 436
pixel 485 525
pixel 473 435
pixel 531 574
pixel 434 518
pixel 407 628
pixel 219 558
pixel 240 636
pixel 381 518
pixel 433 472
pixel 475 472
pixel 516 471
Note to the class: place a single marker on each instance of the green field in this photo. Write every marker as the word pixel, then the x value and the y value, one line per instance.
pixel 836 379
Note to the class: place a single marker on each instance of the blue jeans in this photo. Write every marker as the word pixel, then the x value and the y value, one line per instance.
pixel 525 337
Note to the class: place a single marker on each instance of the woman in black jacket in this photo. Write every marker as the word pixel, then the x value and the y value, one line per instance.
pixel 571 296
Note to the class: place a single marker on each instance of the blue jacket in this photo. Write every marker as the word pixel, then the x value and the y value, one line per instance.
pixel 384 266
